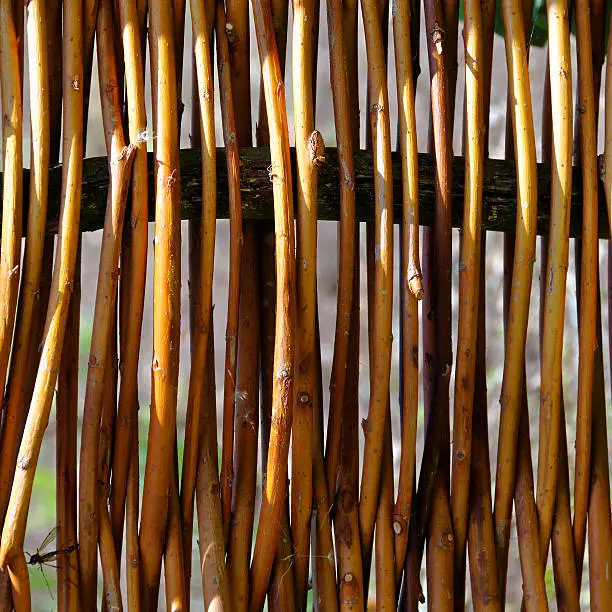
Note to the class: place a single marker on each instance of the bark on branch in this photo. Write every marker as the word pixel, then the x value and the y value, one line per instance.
pixel 499 204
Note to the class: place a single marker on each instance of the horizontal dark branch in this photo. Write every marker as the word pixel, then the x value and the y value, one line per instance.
pixel 499 213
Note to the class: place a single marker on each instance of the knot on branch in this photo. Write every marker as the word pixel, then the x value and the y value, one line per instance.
pixel 437 37
pixel 273 176
pixel 316 148
pixel 231 35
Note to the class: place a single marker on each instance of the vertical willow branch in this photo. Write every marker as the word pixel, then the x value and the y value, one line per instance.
pixel 481 534
pixel 120 162
pixel 108 558
pixel 522 275
pixel 283 389
pixel 63 279
pixel 32 299
pixel 588 274
pixel 437 323
pixel 309 152
pixel 235 263
pixel 349 28
pixel 346 248
pixel 280 587
pixel 440 552
pixel 202 25
pixel 484 576
pixel 563 555
pixel 177 598
pixel 599 528
pixel 132 553
pixel 246 423
pixel 534 587
pixel 346 518
pixel 324 589
pixel 33 258
pixel 210 524
pixel 248 366
pixel 12 164
pixel 556 272
pixel 469 281
pixel 385 544
pixel 67 400
pixel 410 278
pixel 166 304
pixel 133 267
pixel 383 283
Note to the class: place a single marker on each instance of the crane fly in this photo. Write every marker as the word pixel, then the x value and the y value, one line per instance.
pixel 43 557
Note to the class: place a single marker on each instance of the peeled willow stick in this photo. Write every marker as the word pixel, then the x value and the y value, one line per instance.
pixel 556 273
pixel 210 525
pixel 235 262
pixel 133 267
pixel 12 163
pixel 11 550
pixel 166 305
pixel 342 103
pixel 383 283
pixel 411 282
pixel 39 177
pixel 469 281
pixel 202 25
pixel 282 391
pixel 120 163
pixel 524 255
pixel 310 154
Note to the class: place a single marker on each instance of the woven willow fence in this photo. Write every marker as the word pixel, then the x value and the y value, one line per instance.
pixel 340 514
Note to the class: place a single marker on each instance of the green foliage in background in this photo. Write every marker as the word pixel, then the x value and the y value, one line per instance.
pixel 539 28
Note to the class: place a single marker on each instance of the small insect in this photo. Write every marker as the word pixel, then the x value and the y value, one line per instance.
pixel 43 557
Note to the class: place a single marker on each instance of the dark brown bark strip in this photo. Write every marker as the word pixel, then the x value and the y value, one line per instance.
pixel 499 192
